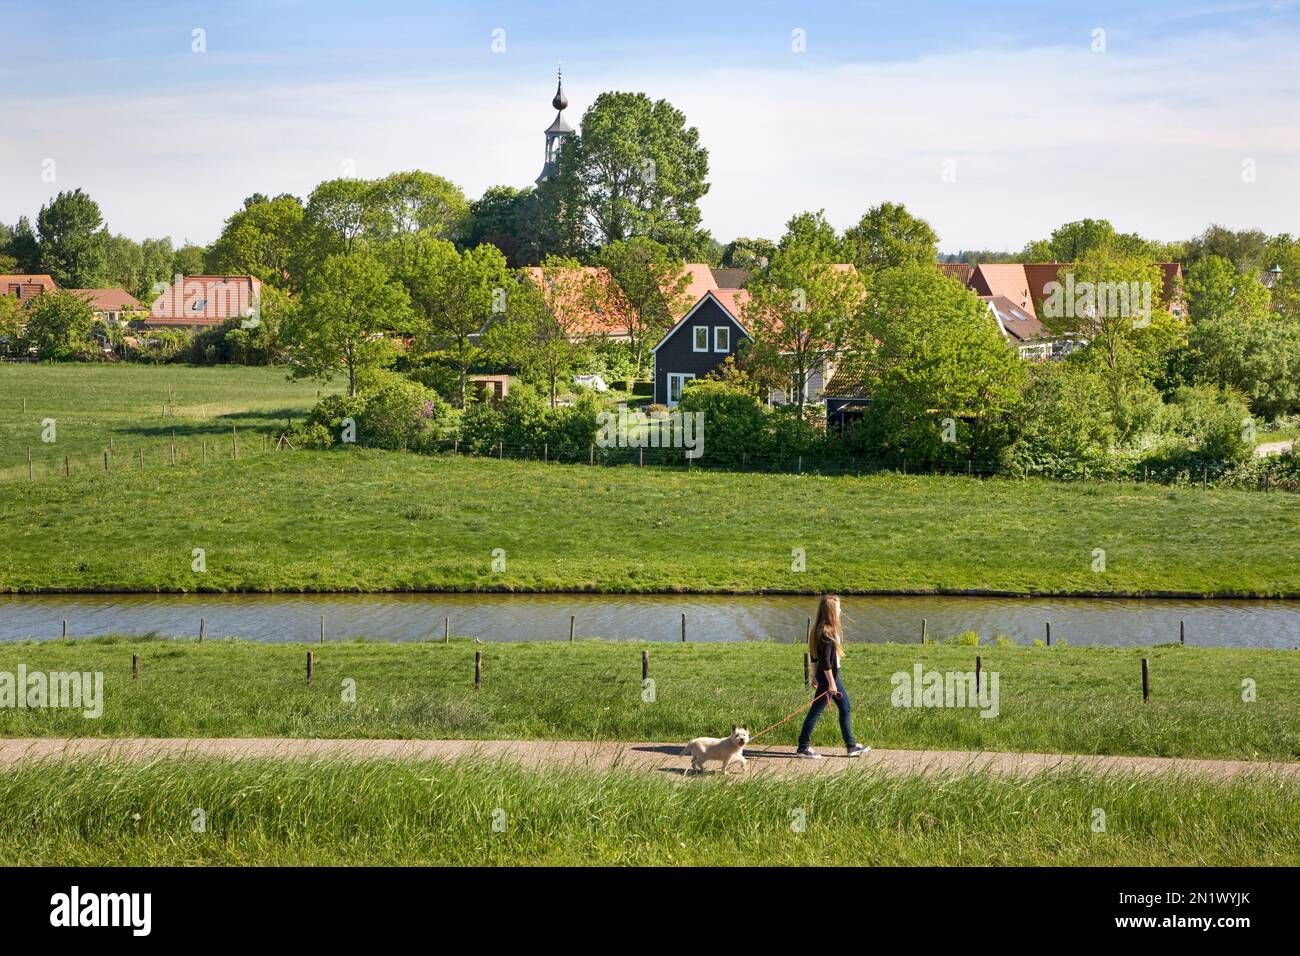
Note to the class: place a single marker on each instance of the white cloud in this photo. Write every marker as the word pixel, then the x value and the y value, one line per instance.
pixel 1038 138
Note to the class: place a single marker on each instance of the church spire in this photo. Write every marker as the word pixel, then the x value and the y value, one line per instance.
pixel 558 129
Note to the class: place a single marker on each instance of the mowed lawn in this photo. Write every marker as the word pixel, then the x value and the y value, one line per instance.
pixel 1085 700
pixel 125 402
pixel 370 520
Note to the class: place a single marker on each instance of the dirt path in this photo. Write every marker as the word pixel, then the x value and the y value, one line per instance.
pixel 664 758
pixel 1273 447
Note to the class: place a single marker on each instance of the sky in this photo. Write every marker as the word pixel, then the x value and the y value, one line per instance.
pixel 996 122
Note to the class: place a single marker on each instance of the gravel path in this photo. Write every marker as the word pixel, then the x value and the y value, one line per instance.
pixel 1273 447
pixel 664 758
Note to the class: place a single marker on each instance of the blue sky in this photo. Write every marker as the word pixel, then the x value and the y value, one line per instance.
pixel 995 121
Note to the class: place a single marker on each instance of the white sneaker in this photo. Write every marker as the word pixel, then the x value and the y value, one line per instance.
pixel 857 750
pixel 808 754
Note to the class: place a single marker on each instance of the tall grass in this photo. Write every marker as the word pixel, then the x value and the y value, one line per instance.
pixel 1069 700
pixel 95 812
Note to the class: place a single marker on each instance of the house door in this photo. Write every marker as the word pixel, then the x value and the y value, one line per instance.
pixel 676 382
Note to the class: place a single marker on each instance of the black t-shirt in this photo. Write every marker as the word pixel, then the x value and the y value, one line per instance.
pixel 828 658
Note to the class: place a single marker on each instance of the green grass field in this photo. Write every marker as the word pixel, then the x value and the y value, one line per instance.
pixel 91 813
pixel 1066 699
pixel 363 520
pixel 125 402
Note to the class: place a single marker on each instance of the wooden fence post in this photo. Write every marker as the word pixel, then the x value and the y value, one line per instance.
pixel 573 620
pixel 446 629
pixel 478 669
pixel 30 474
pixel 645 666
pixel 1049 633
pixel 591 454
pixel 546 451
pixel 808 633
pixel 202 628
pixel 322 628
pixel 1146 682
pixel 65 628
pixel 1182 633
pixel 67 469
pixel 641 453
pixel 106 459
pixel 683 627
pixel 135 667
pixel 924 628
pixel 807 669
pixel 311 665
pixel 979 666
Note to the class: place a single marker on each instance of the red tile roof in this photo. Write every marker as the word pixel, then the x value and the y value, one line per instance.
pixel 109 300
pixel 205 300
pixel 602 317
pixel 26 285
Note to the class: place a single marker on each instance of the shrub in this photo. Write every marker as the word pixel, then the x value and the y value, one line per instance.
pixel 1215 419
pixel 482 426
pixel 735 422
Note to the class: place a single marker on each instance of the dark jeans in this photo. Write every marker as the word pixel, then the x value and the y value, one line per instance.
pixel 809 722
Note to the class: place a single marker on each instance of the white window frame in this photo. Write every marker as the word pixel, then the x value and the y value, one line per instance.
pixel 726 330
pixel 683 377
pixel 695 338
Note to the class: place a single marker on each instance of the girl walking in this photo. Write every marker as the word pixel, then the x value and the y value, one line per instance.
pixel 826 650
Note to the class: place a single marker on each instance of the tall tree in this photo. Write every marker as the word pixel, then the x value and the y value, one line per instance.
pixel 746 253
pixel 347 309
pixel 652 285
pixel 453 295
pixel 1106 297
pixel 414 203
pixel 1074 240
pixel 72 241
pixel 944 383
pixel 543 334
pixel 635 169
pixel 799 315
pixel 59 325
pixel 888 236
pixel 260 240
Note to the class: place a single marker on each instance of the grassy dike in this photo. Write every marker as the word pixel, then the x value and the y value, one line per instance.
pixel 1084 700
pixel 363 520
pixel 389 812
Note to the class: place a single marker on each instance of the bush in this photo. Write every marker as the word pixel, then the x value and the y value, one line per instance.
pixel 735 422
pixel 1215 419
pixel 482 427
pixel 389 411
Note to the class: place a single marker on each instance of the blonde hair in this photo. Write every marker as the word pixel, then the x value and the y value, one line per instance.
pixel 827 626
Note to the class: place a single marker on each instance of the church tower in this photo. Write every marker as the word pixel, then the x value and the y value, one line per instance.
pixel 556 132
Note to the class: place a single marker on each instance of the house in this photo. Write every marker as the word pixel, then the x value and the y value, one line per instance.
pixel 698 344
pixel 847 393
pixel 489 388
pixel 1019 294
pixel 26 286
pixel 1022 329
pixel 204 302
pixel 111 305
pixel 587 299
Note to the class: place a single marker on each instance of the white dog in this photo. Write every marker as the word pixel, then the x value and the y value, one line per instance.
pixel 726 749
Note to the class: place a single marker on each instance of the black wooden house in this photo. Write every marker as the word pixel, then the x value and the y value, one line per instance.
pixel 696 346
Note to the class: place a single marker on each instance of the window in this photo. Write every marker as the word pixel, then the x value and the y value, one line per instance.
pixel 701 341
pixel 722 338
pixel 676 382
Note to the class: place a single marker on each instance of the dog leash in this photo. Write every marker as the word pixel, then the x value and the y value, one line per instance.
pixel 789 715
